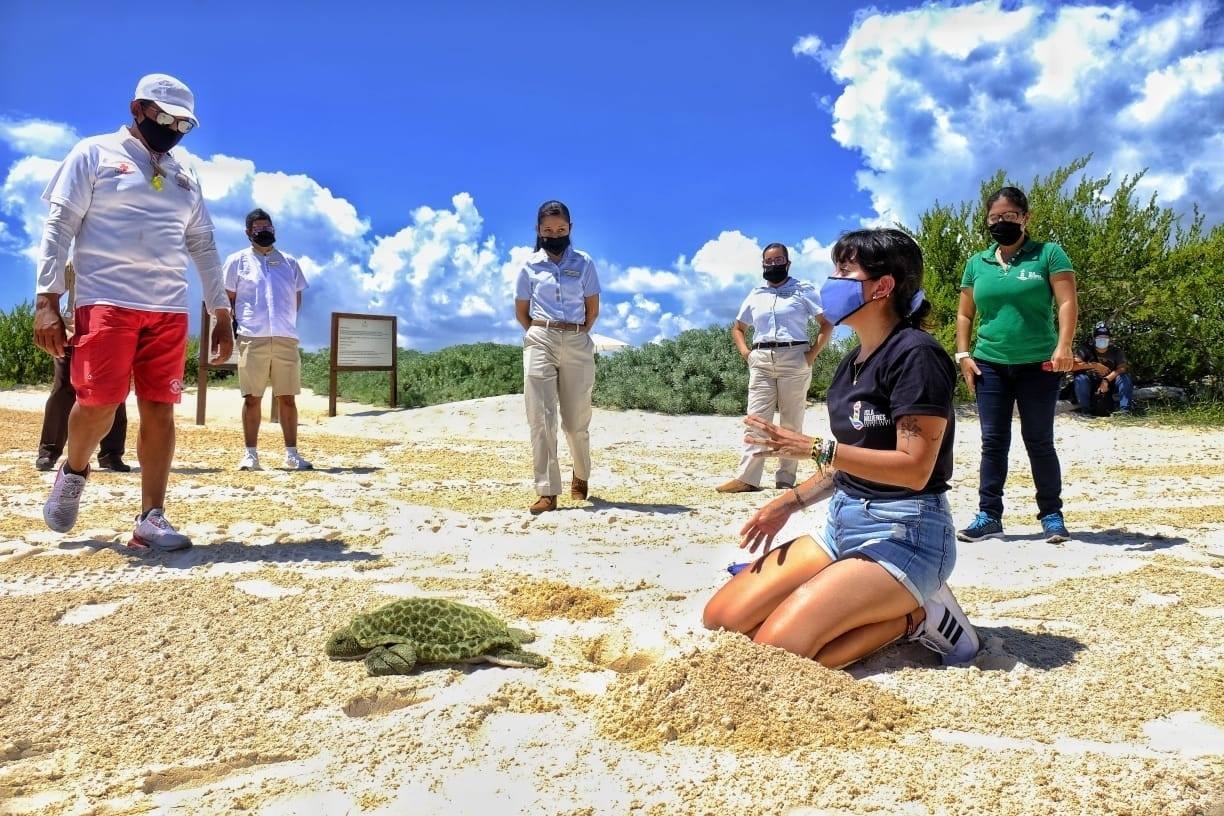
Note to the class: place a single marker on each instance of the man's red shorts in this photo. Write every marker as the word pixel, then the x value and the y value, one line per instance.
pixel 114 344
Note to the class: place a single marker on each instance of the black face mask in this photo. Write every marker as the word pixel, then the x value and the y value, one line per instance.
pixel 264 238
pixel 554 245
pixel 159 138
pixel 1006 232
pixel 775 274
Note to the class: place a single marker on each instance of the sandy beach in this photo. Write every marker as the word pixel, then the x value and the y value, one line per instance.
pixel 196 683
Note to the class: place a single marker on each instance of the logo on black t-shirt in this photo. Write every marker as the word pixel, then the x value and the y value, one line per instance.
pixel 861 418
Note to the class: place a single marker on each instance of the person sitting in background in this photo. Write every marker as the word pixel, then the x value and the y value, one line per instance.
pixel 1101 371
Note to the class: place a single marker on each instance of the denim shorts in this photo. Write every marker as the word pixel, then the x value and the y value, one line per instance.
pixel 914 539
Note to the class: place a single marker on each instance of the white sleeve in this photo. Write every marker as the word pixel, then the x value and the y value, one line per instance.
pixel 299 277
pixel 61 227
pixel 203 252
pixel 229 273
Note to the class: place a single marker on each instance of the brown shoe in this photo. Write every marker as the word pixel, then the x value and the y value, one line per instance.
pixel 543 505
pixel 578 488
pixel 737 486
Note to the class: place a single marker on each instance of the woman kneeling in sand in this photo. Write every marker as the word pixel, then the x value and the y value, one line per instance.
pixel 879 572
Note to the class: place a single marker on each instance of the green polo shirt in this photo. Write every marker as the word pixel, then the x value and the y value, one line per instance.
pixel 1015 306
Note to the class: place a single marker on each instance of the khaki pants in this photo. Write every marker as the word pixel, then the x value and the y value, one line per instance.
pixel 558 367
pixel 778 380
pixel 261 359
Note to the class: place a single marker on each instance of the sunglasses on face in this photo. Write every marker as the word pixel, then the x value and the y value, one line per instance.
pixel 166 120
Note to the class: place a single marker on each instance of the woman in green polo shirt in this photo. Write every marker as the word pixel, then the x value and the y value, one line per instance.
pixel 1017 287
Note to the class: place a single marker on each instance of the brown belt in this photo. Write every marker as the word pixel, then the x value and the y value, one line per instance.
pixel 556 324
pixel 773 345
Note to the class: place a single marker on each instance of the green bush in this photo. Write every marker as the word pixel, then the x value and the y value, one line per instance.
pixel 426 378
pixel 191 367
pixel 699 372
pixel 21 362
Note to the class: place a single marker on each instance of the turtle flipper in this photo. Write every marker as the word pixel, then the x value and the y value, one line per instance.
pixel 515 658
pixel 522 635
pixel 398 658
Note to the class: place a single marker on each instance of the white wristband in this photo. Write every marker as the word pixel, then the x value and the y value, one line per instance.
pixel 960 355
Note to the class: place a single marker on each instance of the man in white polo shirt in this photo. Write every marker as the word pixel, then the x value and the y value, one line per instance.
pixel 137 216
pixel 265 285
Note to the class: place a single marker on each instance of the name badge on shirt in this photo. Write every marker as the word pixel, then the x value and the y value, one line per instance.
pixel 571 273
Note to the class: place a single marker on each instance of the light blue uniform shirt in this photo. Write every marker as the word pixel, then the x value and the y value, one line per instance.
pixel 558 291
pixel 780 314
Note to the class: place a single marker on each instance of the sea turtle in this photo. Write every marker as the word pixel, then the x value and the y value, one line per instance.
pixel 394 638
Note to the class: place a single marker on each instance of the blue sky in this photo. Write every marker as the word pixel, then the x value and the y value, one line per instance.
pixel 403 148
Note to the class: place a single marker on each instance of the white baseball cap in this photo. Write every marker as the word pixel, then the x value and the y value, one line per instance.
pixel 170 94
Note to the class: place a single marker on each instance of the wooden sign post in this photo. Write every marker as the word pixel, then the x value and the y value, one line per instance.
pixel 362 343
pixel 203 366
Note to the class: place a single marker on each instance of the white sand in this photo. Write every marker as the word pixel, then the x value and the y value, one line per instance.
pixel 195 682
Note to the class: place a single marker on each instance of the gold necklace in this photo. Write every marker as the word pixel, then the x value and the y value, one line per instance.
pixel 159 177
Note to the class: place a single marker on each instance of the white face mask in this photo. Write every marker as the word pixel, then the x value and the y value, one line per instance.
pixel 1101 343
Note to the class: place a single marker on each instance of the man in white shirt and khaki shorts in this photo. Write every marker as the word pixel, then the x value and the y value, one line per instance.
pixel 265 286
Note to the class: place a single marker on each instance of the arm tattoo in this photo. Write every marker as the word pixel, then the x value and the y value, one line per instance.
pixel 907 429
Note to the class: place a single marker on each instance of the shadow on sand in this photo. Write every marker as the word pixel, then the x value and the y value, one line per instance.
pixel 596 503
pixel 1003 648
pixel 1139 542
pixel 307 551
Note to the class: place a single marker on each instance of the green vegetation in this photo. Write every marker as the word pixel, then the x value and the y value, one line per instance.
pixel 1157 282
pixel 448 375
pixel 20 362
pixel 699 372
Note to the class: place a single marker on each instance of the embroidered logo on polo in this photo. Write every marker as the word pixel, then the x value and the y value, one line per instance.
pixel 867 417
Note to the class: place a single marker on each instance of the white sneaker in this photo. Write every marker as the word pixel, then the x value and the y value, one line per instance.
pixel 249 461
pixel 294 461
pixel 62 506
pixel 946 629
pixel 155 532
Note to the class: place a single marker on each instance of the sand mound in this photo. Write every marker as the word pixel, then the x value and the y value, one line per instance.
pixel 541 600
pixel 741 695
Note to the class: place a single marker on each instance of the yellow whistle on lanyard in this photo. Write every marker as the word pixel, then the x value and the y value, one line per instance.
pixel 158 182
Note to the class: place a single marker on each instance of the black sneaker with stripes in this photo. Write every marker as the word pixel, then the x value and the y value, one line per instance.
pixel 946 629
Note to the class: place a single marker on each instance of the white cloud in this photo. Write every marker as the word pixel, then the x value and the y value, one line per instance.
pixel 442 274
pixel 37 137
pixel 641 279
pixel 939 97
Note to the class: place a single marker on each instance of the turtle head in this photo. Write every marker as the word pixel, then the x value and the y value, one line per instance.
pixel 343 645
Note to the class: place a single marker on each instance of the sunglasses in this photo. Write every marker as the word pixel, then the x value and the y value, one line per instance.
pixel 166 120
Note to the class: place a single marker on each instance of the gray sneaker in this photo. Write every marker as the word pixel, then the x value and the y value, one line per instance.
pixel 62 506
pixel 154 532
pixel 294 461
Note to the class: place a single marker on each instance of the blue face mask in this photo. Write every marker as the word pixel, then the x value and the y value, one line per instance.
pixel 841 297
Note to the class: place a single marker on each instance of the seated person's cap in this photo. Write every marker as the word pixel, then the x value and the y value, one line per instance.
pixel 171 95
pixel 1100 330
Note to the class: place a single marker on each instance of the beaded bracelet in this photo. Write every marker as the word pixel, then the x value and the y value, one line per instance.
pixel 798 498
pixel 823 451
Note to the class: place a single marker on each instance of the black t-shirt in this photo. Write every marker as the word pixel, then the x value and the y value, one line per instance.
pixel 1111 357
pixel 910 374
